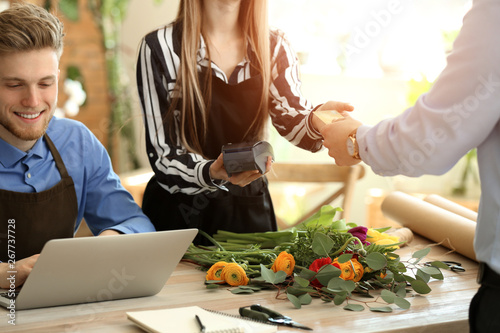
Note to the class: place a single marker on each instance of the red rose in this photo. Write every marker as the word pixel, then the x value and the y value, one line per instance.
pixel 316 265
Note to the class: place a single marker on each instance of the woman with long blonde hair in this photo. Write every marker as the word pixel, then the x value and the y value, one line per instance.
pixel 213 77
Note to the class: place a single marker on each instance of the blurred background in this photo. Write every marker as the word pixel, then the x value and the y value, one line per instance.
pixel 379 55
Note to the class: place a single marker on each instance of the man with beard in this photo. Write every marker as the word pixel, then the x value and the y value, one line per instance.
pixel 53 172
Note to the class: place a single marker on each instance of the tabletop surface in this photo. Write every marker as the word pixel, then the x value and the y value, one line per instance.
pixel 445 309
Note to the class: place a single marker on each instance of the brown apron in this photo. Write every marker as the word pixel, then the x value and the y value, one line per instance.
pixel 241 209
pixel 29 220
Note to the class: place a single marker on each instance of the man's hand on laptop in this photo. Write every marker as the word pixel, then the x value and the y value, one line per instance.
pixel 22 268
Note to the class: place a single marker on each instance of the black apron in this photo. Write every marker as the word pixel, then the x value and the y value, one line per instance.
pixel 241 209
pixel 29 220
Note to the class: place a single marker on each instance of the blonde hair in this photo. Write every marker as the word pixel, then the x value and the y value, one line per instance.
pixel 193 125
pixel 27 27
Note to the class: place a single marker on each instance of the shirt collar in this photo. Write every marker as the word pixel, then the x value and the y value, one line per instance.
pixel 12 155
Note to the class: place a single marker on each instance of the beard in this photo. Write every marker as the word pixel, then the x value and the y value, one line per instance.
pixel 27 133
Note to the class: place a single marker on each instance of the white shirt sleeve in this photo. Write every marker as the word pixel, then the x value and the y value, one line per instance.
pixel 456 115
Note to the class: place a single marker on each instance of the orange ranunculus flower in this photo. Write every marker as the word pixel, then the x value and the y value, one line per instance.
pixel 358 270
pixel 347 273
pixel 215 272
pixel 284 262
pixel 234 275
pixel 351 270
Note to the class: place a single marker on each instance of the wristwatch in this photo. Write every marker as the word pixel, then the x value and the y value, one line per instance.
pixel 352 145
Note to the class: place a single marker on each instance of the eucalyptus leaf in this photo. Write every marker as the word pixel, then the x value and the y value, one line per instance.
pixel 333 292
pixel 421 253
pixel 345 258
pixel 294 299
pixel 339 299
pixel 213 281
pixel 408 278
pixel 301 281
pixel 354 307
pixel 430 270
pixel 242 291
pixel 420 287
pixel 386 309
pixel 251 288
pixel 376 261
pixel 306 274
pixel 402 303
pixel 401 290
pixel 388 296
pixel 348 285
pixel 272 277
pixel 438 276
pixel 401 267
pixel 421 275
pixel 322 244
pixel 305 299
pixel 335 284
pixel 299 290
pixel 326 273
pixel 212 286
pixel 439 264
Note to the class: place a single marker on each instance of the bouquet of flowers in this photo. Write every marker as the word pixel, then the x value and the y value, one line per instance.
pixel 322 258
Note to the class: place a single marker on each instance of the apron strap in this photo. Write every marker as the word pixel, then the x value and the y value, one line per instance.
pixel 57 157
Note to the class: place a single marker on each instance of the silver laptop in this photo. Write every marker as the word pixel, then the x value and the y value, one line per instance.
pixel 93 269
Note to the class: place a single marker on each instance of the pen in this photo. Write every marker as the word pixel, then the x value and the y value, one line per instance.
pixel 202 327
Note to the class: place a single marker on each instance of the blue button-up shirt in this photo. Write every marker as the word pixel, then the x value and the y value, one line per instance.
pixel 102 200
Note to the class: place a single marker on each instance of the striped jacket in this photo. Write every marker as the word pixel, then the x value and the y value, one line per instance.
pixel 179 171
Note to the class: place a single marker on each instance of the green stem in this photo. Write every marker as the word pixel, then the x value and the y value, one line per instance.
pixel 210 238
pixel 225 252
pixel 336 253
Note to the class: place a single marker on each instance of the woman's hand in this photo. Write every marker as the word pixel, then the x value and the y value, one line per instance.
pixel 340 107
pixel 217 171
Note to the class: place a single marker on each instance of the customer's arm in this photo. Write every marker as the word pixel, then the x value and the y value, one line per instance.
pixel 455 116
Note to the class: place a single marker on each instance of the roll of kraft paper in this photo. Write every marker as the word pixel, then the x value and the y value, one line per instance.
pixel 437 224
pixel 451 206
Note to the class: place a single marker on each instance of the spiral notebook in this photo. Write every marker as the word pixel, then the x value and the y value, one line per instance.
pixel 184 320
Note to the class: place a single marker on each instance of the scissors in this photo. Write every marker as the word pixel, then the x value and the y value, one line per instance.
pixel 260 313
pixel 453 265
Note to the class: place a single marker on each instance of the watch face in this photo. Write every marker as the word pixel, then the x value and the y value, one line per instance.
pixel 350 146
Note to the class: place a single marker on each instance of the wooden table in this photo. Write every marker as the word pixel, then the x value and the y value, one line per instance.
pixel 445 309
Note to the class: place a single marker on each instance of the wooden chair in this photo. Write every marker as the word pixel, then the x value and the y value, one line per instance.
pixel 325 174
